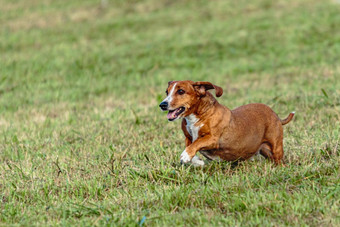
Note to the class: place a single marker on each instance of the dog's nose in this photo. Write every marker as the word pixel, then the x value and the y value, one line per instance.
pixel 163 105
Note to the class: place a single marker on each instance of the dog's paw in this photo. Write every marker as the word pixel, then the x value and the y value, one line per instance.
pixel 185 158
pixel 196 161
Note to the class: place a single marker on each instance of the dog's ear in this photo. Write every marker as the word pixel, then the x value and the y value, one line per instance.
pixel 201 87
pixel 170 82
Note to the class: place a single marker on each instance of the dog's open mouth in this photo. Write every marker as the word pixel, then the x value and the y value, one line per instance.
pixel 174 114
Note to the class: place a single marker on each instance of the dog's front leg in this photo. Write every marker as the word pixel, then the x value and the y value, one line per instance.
pixel 203 143
pixel 196 161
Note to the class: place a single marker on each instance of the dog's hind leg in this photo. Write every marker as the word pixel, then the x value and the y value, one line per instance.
pixel 274 141
pixel 278 152
pixel 266 151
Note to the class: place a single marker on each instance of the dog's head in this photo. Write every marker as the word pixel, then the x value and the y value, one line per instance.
pixel 182 96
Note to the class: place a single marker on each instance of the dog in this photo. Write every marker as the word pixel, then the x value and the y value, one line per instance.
pixel 219 133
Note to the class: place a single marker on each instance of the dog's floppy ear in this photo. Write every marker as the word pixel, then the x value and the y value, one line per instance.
pixel 170 82
pixel 202 87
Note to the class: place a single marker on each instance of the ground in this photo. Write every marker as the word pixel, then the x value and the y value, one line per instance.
pixel 83 141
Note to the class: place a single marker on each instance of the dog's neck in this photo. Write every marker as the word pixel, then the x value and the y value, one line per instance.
pixel 206 105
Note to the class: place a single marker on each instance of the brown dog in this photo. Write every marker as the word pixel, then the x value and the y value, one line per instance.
pixel 218 132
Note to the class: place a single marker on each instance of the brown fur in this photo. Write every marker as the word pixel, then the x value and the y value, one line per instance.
pixel 228 134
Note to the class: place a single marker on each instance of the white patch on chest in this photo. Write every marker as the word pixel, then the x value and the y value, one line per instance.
pixel 191 126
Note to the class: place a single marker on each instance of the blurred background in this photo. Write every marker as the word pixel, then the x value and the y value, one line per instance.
pixel 126 51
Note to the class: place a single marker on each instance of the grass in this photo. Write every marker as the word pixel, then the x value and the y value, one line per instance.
pixel 82 139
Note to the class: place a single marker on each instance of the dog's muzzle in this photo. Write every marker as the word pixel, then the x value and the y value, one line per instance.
pixel 164 106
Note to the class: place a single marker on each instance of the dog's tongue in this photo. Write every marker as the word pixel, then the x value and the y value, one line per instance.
pixel 171 115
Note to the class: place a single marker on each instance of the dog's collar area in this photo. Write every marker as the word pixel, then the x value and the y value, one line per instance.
pixel 191 119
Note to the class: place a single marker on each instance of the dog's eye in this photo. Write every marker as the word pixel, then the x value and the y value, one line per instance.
pixel 180 92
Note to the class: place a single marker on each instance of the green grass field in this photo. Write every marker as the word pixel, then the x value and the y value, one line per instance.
pixel 83 141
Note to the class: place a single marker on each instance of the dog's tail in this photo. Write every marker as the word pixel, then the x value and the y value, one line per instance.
pixel 288 119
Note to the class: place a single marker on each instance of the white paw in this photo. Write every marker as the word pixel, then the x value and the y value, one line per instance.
pixel 185 158
pixel 196 161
